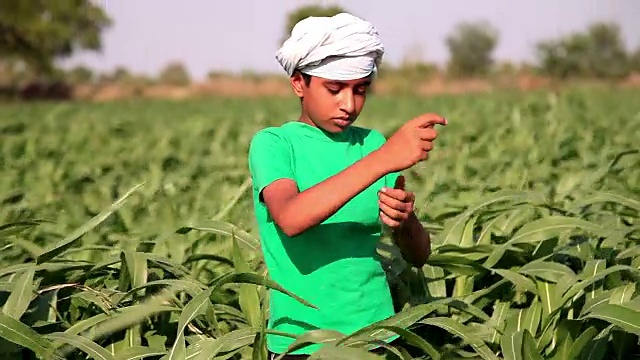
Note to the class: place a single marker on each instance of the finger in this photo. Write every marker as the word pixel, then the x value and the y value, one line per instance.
pixel 395 204
pixel 400 181
pixel 429 120
pixel 388 221
pixel 395 214
pixel 427 134
pixel 426 145
pixel 396 194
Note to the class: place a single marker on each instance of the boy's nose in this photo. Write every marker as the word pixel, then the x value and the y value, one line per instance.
pixel 348 103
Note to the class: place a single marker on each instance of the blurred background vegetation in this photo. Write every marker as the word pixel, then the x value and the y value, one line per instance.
pixel 34 35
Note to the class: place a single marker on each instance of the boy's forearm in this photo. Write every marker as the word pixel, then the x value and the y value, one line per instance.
pixel 414 241
pixel 316 204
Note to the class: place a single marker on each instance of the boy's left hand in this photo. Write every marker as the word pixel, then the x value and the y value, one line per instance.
pixel 396 205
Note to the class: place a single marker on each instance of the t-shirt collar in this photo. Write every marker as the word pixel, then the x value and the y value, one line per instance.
pixel 319 134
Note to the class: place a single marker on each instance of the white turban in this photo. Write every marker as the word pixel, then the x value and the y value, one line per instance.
pixel 341 47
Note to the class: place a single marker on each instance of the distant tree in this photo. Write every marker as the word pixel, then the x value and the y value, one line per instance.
pixel 635 60
pixel 38 32
pixel 304 12
pixel 13 72
pixel 608 56
pixel 175 74
pixel 471 47
pixel 598 52
pixel 120 75
pixel 80 75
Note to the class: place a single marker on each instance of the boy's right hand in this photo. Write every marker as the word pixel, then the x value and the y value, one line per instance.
pixel 411 143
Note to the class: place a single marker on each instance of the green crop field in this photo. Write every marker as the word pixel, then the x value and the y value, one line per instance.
pixel 126 230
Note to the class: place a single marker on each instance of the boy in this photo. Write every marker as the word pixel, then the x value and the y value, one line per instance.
pixel 321 186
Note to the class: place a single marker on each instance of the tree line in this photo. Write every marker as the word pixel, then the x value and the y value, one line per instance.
pixel 35 34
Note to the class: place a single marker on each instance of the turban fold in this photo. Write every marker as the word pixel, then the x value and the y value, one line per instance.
pixel 340 47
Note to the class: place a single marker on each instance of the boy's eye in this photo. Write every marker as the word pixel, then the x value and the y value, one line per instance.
pixel 333 89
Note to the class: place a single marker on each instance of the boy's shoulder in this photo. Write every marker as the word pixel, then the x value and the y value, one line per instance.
pixel 274 131
pixel 268 135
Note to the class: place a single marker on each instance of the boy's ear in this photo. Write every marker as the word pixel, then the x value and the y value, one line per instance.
pixel 297 83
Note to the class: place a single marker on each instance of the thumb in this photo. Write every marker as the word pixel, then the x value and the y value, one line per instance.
pixel 399 183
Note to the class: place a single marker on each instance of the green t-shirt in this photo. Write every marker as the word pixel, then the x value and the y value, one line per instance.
pixel 334 265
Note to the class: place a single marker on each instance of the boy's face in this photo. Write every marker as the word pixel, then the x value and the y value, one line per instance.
pixel 330 104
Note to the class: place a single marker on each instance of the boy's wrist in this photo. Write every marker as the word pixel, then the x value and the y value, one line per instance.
pixel 378 163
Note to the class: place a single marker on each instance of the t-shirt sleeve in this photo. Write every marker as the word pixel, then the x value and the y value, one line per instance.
pixel 269 159
pixel 378 140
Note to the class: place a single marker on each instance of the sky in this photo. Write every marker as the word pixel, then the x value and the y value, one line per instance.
pixel 239 35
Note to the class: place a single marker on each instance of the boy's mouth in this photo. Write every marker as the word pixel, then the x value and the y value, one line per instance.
pixel 342 122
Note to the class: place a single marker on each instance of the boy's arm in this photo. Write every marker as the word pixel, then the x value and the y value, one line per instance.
pixel 294 211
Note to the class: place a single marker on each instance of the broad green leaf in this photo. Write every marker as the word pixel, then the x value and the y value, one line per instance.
pixel 402 319
pixel 455 264
pixel 622 294
pixel 190 286
pixel 581 342
pixel 313 337
pixel 521 282
pixel 248 293
pixel 498 319
pixel 196 306
pixel 16 227
pixel 529 348
pixel 342 353
pixel 472 253
pixel 484 238
pixel 137 267
pixel 208 257
pixel 434 277
pixel 546 270
pixel 511 345
pixel 407 335
pixel 603 298
pixel 581 285
pixel 630 252
pixel 591 269
pixel 250 278
pixel 17 332
pixel 463 286
pixel 236 339
pixel 607 197
pixel 626 318
pixel 542 229
pixel 565 334
pixel 532 317
pixel 72 238
pixel 94 298
pixel 92 349
pixel 31 248
pixel 551 226
pixel 138 352
pixel 20 296
pixel 596 348
pixel 459 330
pixel 454 228
pixel 120 319
pixel 227 229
